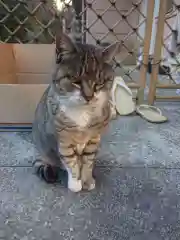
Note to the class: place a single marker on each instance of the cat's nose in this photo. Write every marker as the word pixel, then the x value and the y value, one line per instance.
pixel 89 98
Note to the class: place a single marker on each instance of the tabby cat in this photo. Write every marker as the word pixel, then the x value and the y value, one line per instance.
pixel 74 111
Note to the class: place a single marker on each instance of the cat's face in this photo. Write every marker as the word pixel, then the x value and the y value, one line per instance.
pixel 89 68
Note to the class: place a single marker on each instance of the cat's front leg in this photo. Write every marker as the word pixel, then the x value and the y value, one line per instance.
pixel 88 159
pixel 71 163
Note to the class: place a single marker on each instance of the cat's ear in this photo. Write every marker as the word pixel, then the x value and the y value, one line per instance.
pixel 111 51
pixel 64 43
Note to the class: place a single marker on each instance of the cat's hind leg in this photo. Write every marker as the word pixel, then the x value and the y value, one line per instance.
pixel 45 171
pixel 49 167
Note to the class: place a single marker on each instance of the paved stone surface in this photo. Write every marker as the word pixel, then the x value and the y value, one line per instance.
pixel 127 204
pixel 137 195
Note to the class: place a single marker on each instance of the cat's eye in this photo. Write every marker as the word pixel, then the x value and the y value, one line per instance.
pixel 93 85
pixel 99 86
pixel 76 85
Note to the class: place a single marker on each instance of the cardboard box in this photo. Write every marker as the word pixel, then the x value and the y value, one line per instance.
pixel 25 72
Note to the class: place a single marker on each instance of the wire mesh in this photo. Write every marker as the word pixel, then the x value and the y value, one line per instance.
pixel 24 21
pixel 109 21
pixel 91 21
pixel 168 83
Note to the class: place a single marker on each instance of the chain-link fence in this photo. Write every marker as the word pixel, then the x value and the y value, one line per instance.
pixel 165 65
pixel 99 22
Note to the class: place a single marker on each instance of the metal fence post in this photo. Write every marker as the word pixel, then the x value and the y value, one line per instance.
pixel 157 51
pixel 147 42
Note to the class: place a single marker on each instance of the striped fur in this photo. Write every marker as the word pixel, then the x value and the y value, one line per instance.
pixel 74 111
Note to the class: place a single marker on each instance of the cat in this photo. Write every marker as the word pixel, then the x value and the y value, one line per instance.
pixel 74 111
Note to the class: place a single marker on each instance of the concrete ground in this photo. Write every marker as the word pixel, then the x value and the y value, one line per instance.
pixel 137 195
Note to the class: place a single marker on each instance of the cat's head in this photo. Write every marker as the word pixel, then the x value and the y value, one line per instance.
pixel 88 67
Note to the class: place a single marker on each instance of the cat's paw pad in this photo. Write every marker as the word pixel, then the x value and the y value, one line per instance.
pixel 45 171
pixel 74 185
pixel 89 185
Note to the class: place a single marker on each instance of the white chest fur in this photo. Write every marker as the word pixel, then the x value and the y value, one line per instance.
pixel 81 113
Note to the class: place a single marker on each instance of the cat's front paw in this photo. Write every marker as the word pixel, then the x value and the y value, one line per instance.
pixel 89 184
pixel 74 185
